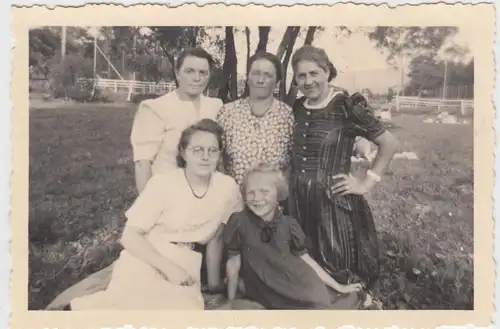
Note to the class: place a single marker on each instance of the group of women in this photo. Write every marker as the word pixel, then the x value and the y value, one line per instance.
pixel 220 175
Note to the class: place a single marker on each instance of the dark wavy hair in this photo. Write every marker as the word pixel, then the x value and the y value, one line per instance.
pixel 270 57
pixel 206 125
pixel 195 52
pixel 317 55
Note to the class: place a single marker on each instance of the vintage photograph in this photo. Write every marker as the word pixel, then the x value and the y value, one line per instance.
pixel 200 166
pixel 239 167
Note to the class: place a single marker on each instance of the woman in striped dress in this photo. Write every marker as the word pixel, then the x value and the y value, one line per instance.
pixel 325 198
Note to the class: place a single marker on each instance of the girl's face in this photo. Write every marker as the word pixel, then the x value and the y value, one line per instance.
pixel 261 195
pixel 193 75
pixel 262 78
pixel 202 153
pixel 312 79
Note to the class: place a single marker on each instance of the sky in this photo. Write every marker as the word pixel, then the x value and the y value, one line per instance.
pixel 359 64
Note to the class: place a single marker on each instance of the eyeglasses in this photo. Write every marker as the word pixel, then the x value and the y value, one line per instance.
pixel 199 151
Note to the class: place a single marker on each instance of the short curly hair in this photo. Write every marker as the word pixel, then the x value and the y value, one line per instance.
pixel 277 175
pixel 206 125
pixel 317 55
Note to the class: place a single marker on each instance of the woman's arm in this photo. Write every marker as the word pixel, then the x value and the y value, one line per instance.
pixel 327 279
pixel 387 147
pixel 214 260
pixel 146 138
pixel 233 266
pixel 143 173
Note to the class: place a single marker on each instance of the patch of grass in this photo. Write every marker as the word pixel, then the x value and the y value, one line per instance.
pixel 81 182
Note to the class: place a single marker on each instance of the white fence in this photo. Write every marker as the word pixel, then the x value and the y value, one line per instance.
pixel 133 86
pixel 464 105
pixel 401 102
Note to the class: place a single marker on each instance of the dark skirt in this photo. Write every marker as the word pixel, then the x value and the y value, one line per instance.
pixel 341 232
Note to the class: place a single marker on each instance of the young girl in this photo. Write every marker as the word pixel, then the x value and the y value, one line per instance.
pixel 269 251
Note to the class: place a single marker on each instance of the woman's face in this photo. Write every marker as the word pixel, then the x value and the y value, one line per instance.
pixel 193 75
pixel 262 78
pixel 261 195
pixel 312 79
pixel 202 153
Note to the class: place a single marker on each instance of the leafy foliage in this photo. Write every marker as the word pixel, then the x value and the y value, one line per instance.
pixel 65 74
pixel 410 41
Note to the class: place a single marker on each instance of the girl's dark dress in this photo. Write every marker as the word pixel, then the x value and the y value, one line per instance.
pixel 273 272
pixel 340 230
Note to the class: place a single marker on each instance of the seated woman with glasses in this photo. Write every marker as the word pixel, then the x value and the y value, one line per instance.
pixel 159 268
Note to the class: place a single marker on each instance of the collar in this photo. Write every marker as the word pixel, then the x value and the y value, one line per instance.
pixel 278 215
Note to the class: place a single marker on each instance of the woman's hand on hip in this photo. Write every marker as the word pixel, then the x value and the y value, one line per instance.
pixel 348 184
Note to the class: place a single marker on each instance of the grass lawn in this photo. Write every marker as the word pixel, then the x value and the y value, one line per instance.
pixel 81 182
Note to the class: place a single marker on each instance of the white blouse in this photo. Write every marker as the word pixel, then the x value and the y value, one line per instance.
pixel 158 125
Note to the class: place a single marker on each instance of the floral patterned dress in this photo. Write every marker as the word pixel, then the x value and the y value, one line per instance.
pixel 250 139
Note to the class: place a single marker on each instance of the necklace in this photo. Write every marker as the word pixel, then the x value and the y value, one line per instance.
pixel 192 190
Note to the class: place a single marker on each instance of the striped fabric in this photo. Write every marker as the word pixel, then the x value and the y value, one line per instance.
pixel 340 229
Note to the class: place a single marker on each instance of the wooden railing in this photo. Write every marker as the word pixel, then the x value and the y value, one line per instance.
pixel 401 102
pixel 127 86
pixel 464 105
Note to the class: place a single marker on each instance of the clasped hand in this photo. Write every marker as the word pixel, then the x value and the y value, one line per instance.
pixel 177 275
pixel 349 185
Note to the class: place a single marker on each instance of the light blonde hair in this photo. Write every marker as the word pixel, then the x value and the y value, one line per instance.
pixel 279 179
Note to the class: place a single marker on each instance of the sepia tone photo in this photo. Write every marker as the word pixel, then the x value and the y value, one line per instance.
pixel 281 164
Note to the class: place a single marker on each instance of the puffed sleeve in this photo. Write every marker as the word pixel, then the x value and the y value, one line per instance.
pixel 362 119
pixel 298 238
pixel 147 132
pixel 232 235
pixel 148 207
pixel 234 202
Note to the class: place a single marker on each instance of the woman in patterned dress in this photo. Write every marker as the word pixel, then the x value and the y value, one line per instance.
pixel 257 128
pixel 325 198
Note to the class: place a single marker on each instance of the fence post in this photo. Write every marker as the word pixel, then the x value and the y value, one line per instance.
pixel 116 86
pixel 462 107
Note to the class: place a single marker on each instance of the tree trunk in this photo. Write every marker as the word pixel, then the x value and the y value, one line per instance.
pixel 228 90
pixel 292 92
pixel 310 35
pixel 288 54
pixel 247 33
pixel 263 38
pixel 172 64
pixel 284 41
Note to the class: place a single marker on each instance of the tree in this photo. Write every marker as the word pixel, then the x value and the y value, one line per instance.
pixel 285 49
pixel 390 95
pixel 407 42
pixel 263 38
pixel 426 77
pixel 229 85
pixel 65 75
pixel 45 43
pixel 293 91
pixel 404 43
